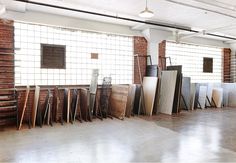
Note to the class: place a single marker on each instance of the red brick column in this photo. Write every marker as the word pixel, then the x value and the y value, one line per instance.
pixel 6 46
pixel 226 65
pixel 162 54
pixel 140 48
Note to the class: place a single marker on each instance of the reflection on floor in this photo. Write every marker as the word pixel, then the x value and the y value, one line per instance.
pixel 198 136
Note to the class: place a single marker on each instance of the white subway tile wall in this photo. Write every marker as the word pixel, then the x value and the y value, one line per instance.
pixel 191 58
pixel 115 55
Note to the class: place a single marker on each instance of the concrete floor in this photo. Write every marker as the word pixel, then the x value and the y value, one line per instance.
pixel 198 136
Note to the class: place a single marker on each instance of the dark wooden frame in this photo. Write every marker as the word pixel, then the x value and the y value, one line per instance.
pixel 42 66
pixel 206 68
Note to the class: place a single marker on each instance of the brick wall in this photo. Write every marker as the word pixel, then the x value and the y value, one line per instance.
pixel 140 48
pixel 7 41
pixel 42 98
pixel 161 55
pixel 6 46
pixel 226 65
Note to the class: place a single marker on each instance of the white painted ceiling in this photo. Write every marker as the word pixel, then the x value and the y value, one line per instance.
pixel 215 16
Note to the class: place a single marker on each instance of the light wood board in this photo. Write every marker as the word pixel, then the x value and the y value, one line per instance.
pixel 217 96
pixel 35 106
pixel 118 100
pixel 149 90
pixel 24 107
pixel 68 107
pixel 167 91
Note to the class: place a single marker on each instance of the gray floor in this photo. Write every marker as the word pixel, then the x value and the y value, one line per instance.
pixel 198 136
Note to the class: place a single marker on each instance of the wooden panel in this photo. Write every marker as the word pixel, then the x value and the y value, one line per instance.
pixel 53 56
pixel 217 96
pixel 35 105
pixel 24 107
pixel 149 89
pixel 130 100
pixel 167 91
pixel 118 100
pixel 68 106
pixel 84 103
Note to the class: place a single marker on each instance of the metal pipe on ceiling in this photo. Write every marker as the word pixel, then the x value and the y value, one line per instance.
pixel 123 18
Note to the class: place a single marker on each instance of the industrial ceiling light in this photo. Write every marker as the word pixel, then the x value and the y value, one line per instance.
pixel 146 13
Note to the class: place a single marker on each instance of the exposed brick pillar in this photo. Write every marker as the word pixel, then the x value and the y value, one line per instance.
pixel 6 46
pixel 161 55
pixel 227 64
pixel 140 48
pixel 6 35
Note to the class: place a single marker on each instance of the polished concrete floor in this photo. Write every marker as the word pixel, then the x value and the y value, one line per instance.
pixel 198 136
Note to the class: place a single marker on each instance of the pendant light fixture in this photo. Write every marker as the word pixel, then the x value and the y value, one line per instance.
pixel 146 13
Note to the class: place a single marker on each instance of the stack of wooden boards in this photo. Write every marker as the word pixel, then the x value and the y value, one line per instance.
pixel 68 104
pixel 8 94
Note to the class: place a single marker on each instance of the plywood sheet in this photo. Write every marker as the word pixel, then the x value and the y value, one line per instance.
pixel 35 105
pixel 167 91
pixel 24 107
pixel 149 90
pixel 130 100
pixel 118 100
pixel 202 96
pixel 68 106
pixel 217 96
pixel 84 103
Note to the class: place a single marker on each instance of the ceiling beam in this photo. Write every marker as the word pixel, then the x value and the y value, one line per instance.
pixel 203 32
pixel 201 8
pixel 122 18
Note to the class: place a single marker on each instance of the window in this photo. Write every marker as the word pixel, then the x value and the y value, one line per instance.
pixel 115 56
pixel 208 65
pixel 53 56
pixel 191 58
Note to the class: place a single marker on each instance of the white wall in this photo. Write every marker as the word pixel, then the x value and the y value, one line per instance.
pixel 155 36
pixel 69 22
